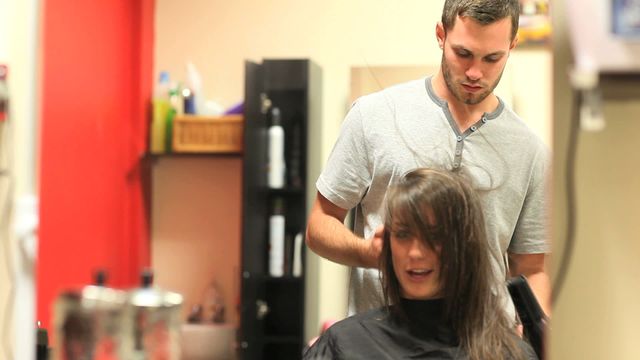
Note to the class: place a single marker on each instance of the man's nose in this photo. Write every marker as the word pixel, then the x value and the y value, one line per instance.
pixel 474 72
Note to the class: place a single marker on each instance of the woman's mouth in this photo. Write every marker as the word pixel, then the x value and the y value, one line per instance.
pixel 419 274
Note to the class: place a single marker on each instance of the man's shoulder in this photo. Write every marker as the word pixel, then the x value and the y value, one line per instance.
pixel 515 120
pixel 518 127
pixel 393 93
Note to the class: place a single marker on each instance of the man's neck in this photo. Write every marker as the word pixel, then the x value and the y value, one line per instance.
pixel 464 115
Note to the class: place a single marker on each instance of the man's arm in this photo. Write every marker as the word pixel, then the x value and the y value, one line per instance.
pixel 532 266
pixel 328 237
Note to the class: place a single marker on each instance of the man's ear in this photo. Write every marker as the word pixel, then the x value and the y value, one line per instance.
pixel 441 34
pixel 514 42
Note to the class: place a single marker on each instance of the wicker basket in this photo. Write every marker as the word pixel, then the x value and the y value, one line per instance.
pixel 206 134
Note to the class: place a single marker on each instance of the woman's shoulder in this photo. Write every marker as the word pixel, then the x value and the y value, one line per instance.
pixel 357 321
pixel 346 339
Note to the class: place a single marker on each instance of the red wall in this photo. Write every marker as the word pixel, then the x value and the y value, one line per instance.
pixel 96 84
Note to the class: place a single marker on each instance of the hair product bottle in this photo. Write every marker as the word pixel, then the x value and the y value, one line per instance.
pixel 276 172
pixel 276 239
pixel 297 256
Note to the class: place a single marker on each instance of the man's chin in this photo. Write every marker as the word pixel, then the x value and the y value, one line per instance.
pixel 474 99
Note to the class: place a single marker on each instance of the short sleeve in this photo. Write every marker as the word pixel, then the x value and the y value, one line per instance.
pixel 530 235
pixel 347 173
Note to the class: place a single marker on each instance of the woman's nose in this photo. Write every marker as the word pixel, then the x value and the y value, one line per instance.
pixel 417 249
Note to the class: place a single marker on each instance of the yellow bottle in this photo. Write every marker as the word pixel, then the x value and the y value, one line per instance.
pixel 161 107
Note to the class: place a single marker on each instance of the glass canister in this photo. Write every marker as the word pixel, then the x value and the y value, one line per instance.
pixel 152 322
pixel 88 323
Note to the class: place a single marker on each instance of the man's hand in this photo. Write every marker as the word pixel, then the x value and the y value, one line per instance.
pixel 373 250
pixel 328 237
pixel 532 266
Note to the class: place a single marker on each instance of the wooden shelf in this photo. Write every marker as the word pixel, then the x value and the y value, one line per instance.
pixel 179 155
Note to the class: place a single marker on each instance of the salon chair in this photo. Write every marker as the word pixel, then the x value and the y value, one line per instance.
pixel 534 321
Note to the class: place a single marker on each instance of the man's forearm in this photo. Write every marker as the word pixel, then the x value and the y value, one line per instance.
pixel 330 238
pixel 541 287
pixel 532 266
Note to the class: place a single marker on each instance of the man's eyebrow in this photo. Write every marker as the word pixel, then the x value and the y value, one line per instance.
pixel 496 53
pixel 460 47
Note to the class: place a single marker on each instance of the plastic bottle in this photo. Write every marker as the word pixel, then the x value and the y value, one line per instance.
pixel 194 83
pixel 175 108
pixel 161 107
pixel 277 168
pixel 276 240
pixel 297 256
pixel 175 98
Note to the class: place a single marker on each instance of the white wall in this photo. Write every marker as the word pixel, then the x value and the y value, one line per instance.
pixel 196 213
pixel 5 249
pixel 596 315
pixel 217 36
pixel 18 49
pixel 4 30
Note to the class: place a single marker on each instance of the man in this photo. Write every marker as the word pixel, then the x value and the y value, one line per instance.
pixel 451 120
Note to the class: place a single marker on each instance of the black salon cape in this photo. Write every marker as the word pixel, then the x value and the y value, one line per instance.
pixel 376 335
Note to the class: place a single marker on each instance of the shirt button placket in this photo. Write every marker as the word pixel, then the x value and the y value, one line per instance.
pixel 457 159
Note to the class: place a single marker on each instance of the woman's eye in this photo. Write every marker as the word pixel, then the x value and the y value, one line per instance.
pixel 401 234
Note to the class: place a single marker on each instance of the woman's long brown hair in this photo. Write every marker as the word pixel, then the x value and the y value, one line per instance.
pixel 470 286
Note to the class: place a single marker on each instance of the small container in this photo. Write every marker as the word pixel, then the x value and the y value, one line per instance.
pixel 189 101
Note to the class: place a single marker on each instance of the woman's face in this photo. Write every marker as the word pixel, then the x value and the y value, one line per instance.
pixel 416 265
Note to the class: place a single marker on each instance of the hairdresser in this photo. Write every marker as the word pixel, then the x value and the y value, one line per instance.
pixel 451 120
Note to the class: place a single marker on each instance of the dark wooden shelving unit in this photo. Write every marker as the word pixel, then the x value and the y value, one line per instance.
pixel 272 315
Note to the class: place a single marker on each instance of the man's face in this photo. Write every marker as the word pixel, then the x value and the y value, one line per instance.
pixel 474 57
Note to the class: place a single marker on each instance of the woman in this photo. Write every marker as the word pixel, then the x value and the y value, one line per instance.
pixel 441 294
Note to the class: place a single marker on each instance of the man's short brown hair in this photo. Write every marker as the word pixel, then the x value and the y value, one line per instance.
pixel 483 11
